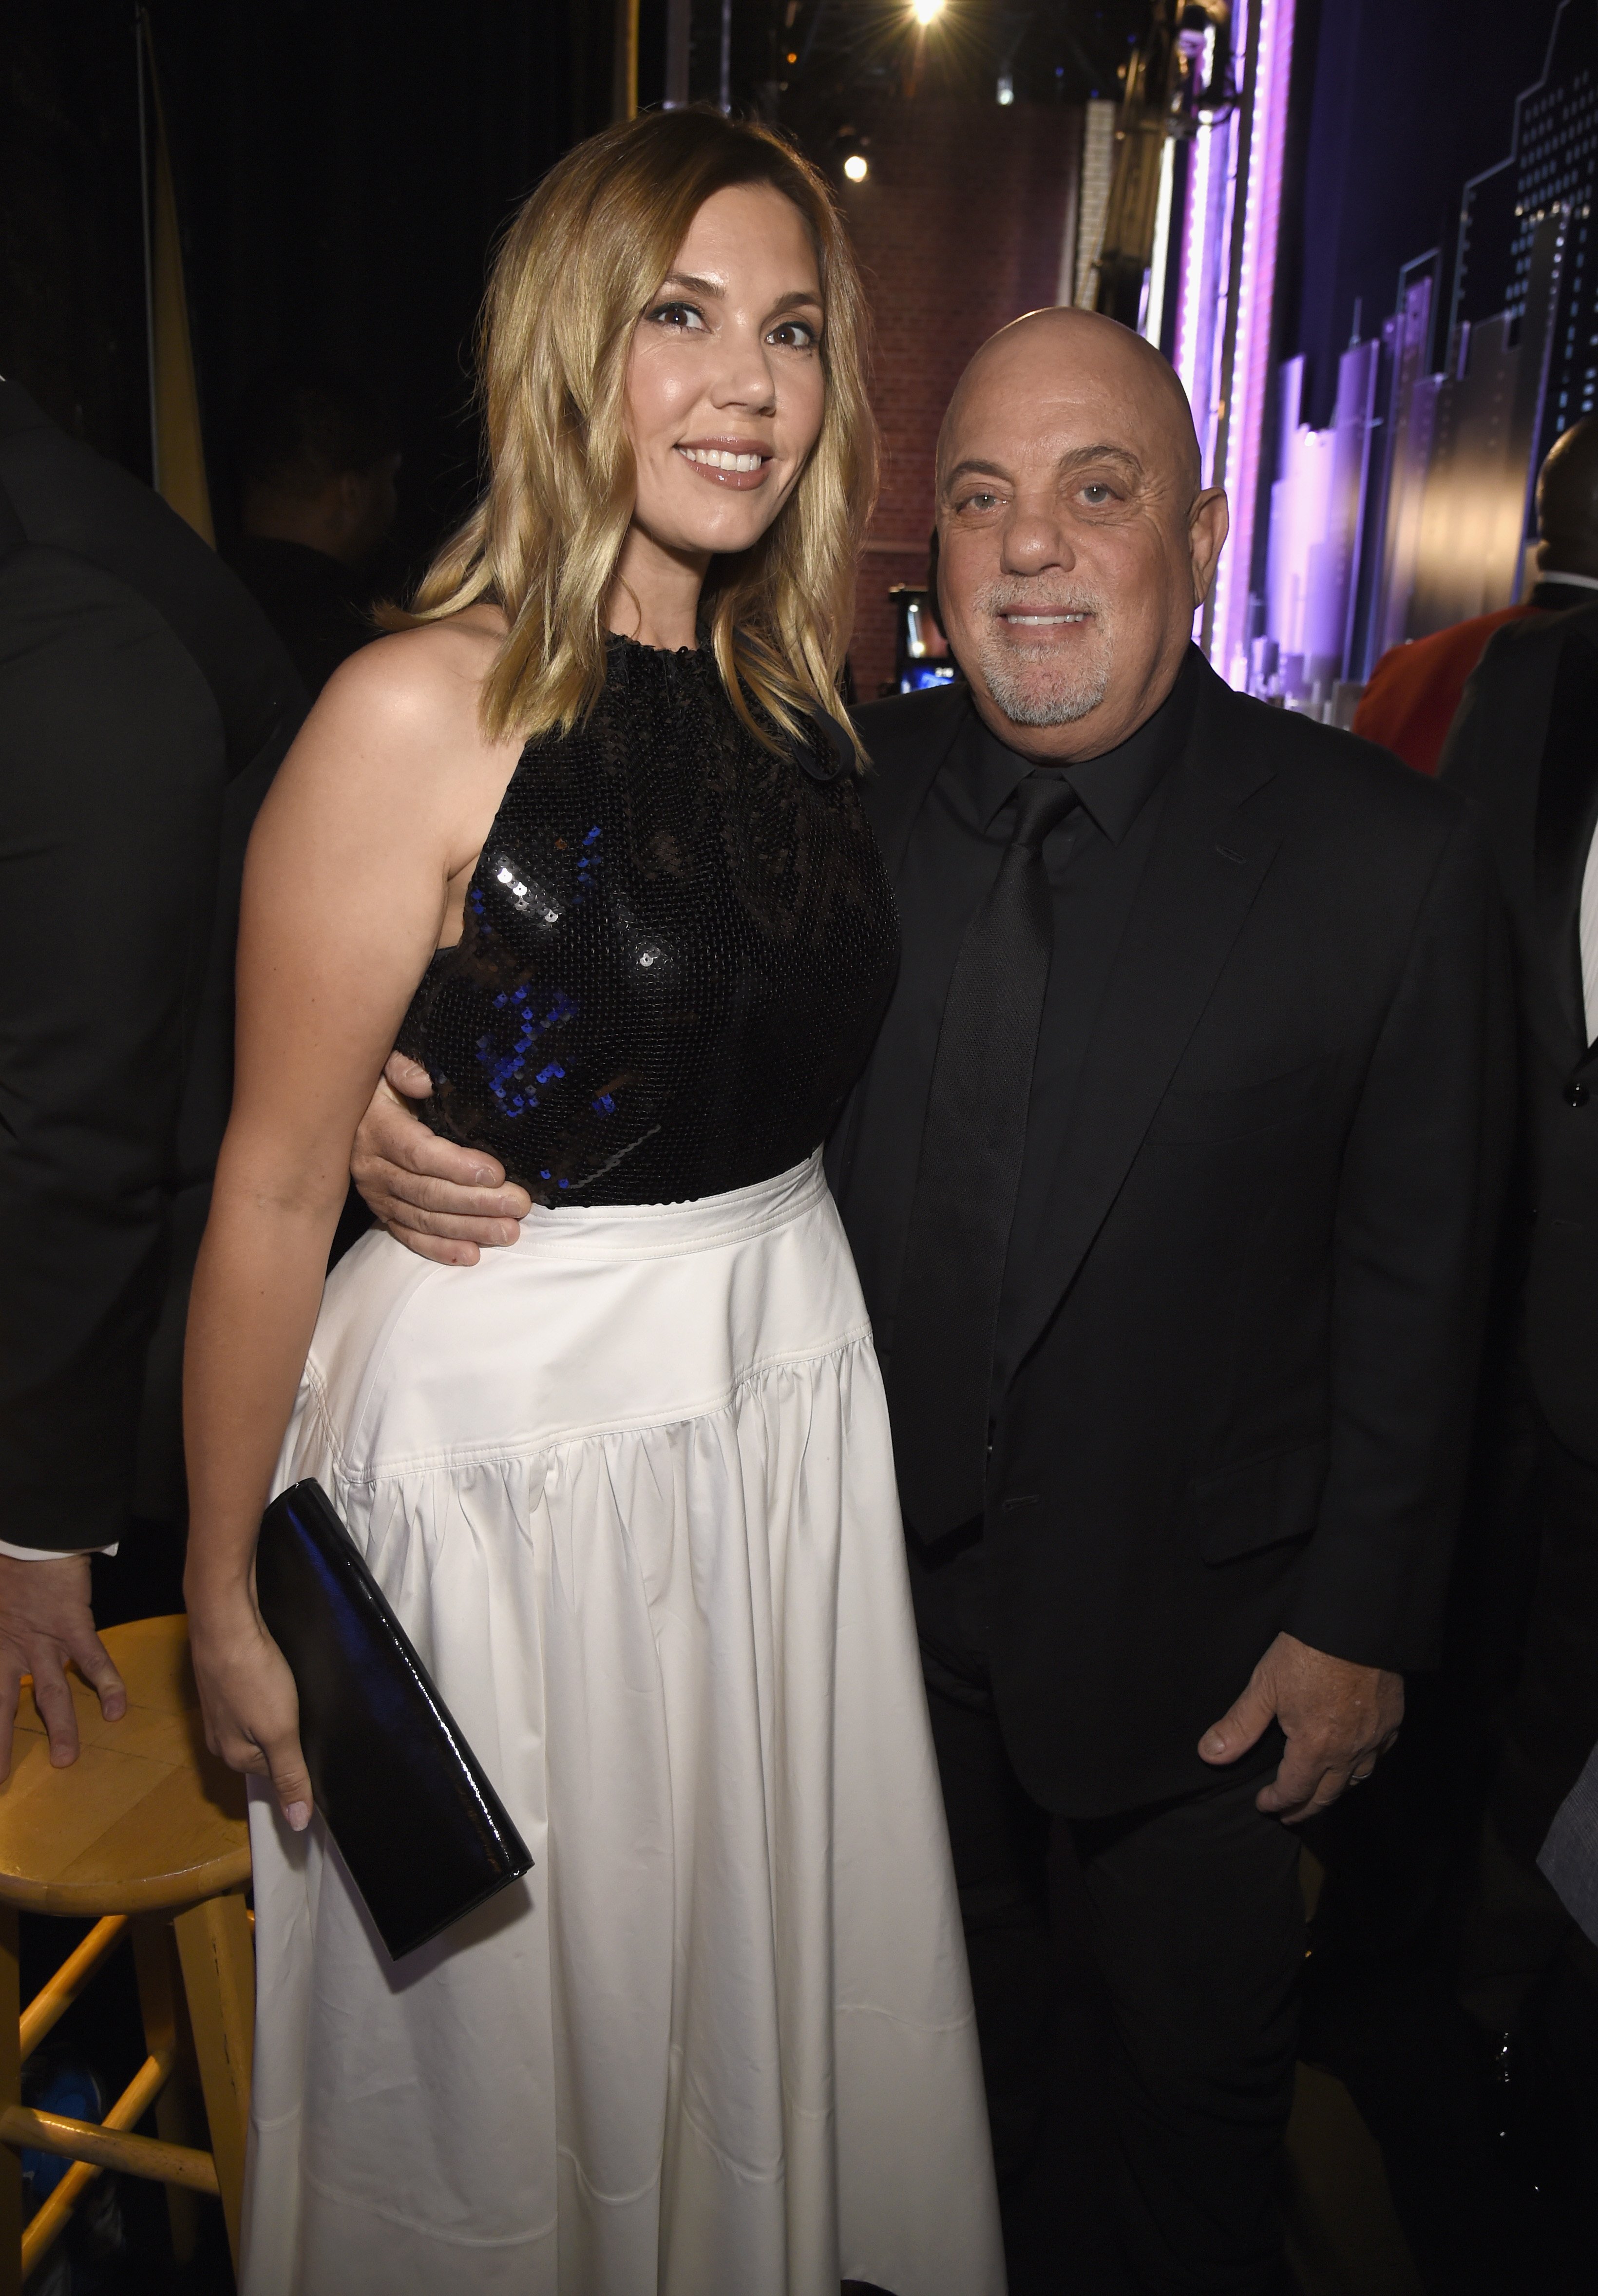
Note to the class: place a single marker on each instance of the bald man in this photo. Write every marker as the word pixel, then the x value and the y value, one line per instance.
pixel 1170 1181
pixel 1414 690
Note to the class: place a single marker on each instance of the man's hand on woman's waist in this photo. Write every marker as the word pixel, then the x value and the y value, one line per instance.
pixel 440 1201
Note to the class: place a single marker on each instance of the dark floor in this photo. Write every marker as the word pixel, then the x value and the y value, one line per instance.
pixel 120 2241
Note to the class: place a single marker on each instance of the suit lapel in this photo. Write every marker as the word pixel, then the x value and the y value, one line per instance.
pixel 907 749
pixel 1201 880
pixel 907 744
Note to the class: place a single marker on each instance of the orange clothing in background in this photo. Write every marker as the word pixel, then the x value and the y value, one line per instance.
pixel 1414 690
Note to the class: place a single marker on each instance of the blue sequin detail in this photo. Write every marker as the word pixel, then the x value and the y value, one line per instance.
pixel 505 1069
pixel 587 863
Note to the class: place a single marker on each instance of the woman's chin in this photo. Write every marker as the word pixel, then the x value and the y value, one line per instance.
pixel 716 528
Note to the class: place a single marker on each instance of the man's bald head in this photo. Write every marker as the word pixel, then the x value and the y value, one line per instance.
pixel 1567 502
pixel 1075 536
pixel 1091 344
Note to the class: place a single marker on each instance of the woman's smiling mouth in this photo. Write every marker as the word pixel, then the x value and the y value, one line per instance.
pixel 737 462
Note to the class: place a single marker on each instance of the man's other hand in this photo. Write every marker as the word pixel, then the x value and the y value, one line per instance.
pixel 439 1199
pixel 45 1620
pixel 1339 1719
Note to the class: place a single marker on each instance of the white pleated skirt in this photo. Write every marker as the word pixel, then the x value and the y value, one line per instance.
pixel 629 1486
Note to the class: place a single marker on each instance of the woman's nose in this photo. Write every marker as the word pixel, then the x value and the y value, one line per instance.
pixel 746 379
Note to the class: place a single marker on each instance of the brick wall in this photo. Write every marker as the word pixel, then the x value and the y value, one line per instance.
pixel 960 226
pixel 1098 165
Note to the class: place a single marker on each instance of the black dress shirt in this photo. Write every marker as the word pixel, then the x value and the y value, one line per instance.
pixel 1095 860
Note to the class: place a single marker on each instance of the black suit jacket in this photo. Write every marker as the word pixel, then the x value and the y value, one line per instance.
pixel 144 704
pixel 1252 1338
pixel 1525 747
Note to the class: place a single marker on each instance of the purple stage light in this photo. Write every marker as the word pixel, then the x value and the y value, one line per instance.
pixel 1265 94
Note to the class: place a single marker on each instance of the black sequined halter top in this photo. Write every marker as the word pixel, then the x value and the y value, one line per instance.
pixel 678 947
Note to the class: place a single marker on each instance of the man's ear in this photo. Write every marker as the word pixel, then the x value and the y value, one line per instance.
pixel 354 490
pixel 1207 528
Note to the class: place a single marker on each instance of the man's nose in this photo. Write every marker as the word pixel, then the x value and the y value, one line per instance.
pixel 1033 540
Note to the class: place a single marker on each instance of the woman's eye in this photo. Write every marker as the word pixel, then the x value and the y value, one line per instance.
pixel 794 334
pixel 683 316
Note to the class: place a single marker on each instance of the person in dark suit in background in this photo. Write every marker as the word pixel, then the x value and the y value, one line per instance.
pixel 317 459
pixel 144 705
pixel 1171 1181
pixel 1525 748
pixel 1409 702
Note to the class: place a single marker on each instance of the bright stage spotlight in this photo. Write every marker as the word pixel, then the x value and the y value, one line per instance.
pixel 925 10
pixel 857 167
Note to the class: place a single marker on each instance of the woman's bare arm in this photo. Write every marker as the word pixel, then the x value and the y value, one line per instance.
pixel 374 822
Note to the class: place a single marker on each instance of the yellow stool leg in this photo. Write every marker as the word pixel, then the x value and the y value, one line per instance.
pixel 218 1976
pixel 178 2116
pixel 10 2092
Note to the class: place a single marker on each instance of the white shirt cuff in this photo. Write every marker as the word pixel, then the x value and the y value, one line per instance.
pixel 50 1554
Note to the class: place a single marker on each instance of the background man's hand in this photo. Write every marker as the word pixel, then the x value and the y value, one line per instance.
pixel 45 1620
pixel 436 1199
pixel 1339 1719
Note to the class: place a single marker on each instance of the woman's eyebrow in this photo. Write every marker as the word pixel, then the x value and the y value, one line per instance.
pixel 694 286
pixel 796 299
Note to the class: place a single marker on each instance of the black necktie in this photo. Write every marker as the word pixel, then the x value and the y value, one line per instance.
pixel 940 1373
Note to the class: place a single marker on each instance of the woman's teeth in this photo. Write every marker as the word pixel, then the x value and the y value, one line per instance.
pixel 716 458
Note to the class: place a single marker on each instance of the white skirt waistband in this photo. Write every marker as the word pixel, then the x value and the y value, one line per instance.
pixel 666 1230
pixel 594 1320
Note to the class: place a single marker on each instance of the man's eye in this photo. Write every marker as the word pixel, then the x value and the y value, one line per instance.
pixel 978 501
pixel 683 316
pixel 1096 494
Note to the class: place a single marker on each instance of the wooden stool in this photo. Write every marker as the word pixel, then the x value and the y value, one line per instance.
pixel 145 1825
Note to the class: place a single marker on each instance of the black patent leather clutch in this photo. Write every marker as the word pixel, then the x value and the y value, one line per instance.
pixel 423 1834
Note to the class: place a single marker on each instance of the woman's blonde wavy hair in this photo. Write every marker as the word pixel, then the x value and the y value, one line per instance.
pixel 573 273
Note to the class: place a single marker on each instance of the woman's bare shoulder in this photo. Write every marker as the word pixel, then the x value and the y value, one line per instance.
pixel 420 684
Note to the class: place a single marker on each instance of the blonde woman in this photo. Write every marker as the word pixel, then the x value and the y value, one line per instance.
pixel 585 839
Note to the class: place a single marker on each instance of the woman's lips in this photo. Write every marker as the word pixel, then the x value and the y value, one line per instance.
pixel 738 466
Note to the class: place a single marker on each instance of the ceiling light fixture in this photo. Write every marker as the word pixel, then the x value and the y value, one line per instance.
pixel 857 167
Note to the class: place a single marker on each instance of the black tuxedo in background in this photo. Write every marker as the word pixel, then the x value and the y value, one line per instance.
pixel 1239 1343
pixel 1525 747
pixel 144 704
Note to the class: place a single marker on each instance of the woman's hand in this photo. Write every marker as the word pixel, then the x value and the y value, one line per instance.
pixel 247 1692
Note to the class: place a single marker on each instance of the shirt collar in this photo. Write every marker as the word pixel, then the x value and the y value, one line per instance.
pixel 1113 788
